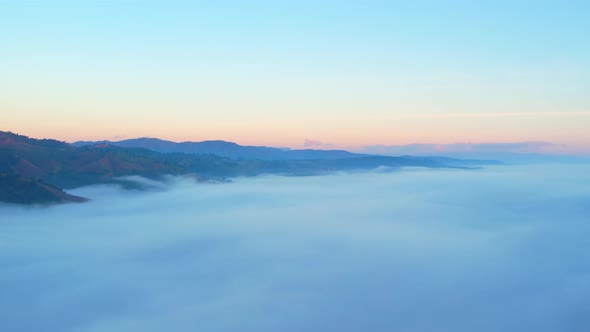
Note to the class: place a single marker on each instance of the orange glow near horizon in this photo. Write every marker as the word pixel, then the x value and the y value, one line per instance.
pixel 342 133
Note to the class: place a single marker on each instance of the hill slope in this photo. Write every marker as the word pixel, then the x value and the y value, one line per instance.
pixel 19 190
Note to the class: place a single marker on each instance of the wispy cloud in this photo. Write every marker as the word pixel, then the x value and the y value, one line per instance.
pixel 512 147
pixel 498 114
pixel 477 114
pixel 312 143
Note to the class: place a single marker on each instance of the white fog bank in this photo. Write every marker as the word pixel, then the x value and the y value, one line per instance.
pixel 499 249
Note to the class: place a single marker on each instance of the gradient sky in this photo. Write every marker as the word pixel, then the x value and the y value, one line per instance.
pixel 348 73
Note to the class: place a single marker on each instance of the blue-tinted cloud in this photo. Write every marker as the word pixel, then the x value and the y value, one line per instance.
pixel 500 249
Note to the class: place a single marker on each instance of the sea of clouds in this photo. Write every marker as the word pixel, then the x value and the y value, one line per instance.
pixel 496 249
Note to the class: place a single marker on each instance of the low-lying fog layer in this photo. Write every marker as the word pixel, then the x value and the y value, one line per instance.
pixel 498 249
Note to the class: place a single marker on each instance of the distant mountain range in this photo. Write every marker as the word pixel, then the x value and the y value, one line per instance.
pixel 226 149
pixel 34 170
pixel 240 152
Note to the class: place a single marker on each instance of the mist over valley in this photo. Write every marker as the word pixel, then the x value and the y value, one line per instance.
pixel 494 249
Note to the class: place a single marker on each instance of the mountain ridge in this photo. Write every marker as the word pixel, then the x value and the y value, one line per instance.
pixel 227 149
pixel 36 162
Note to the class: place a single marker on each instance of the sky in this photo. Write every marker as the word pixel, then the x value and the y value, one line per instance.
pixel 281 73
pixel 491 250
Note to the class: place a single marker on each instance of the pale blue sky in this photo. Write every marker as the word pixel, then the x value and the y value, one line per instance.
pixel 276 72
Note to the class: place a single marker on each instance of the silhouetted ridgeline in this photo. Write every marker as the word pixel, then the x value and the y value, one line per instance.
pixel 57 163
